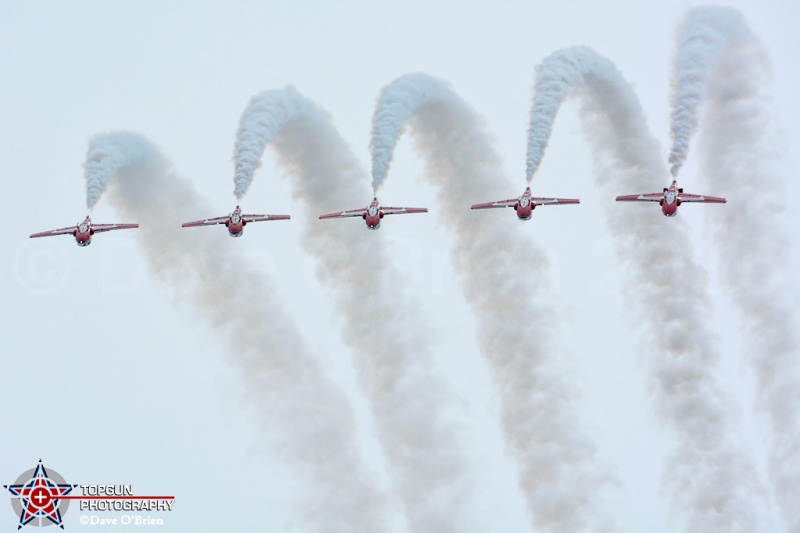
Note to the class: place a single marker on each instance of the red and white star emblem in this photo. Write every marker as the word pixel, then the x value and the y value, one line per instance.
pixel 39 497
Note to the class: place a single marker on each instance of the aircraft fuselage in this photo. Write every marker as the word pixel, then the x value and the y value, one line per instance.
pixel 235 229
pixel 83 233
pixel 670 202
pixel 235 223
pixel 373 215
pixel 524 206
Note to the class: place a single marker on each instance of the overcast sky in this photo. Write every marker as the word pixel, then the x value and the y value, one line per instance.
pixel 109 379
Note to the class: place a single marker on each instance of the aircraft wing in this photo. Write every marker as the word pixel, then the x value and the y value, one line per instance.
pixel 98 228
pixel 345 214
pixel 206 222
pixel 652 197
pixel 683 197
pixel 262 218
pixel 554 201
pixel 62 231
pixel 403 210
pixel 501 203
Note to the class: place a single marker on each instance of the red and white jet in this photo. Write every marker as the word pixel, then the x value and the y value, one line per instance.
pixel 235 222
pixel 83 231
pixel 373 214
pixel 525 204
pixel 671 198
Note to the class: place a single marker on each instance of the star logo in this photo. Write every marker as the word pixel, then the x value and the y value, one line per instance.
pixel 37 495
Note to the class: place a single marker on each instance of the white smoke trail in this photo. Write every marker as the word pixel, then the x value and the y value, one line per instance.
pixel 265 117
pixel 702 38
pixel 293 399
pixel 559 476
pixel 106 159
pixel 744 158
pixel 390 119
pixel 381 322
pixel 556 77
pixel 712 480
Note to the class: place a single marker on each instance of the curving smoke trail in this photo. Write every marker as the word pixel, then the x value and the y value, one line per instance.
pixel 713 481
pixel 265 117
pixel 108 157
pixel 702 38
pixel 556 77
pixel 390 119
pixel 744 157
pixel 310 420
pixel 559 475
pixel 381 322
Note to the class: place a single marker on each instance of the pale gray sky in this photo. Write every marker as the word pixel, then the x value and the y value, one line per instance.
pixel 107 380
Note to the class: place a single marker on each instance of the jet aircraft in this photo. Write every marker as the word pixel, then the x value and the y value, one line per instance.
pixel 670 198
pixel 373 214
pixel 525 204
pixel 84 230
pixel 235 222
